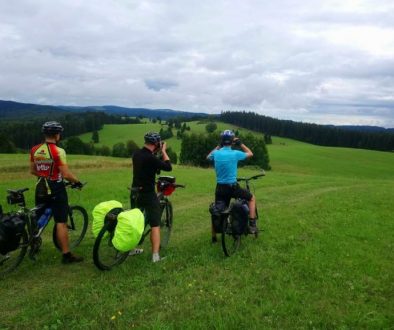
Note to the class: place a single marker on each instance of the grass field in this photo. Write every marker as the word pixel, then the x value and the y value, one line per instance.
pixel 324 260
pixel 112 134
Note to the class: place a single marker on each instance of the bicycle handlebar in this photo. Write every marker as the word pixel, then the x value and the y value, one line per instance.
pixel 73 186
pixel 254 177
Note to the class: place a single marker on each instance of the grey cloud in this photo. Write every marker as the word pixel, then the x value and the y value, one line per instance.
pixel 158 85
pixel 202 56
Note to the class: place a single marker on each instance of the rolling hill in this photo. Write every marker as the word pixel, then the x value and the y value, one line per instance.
pixel 10 110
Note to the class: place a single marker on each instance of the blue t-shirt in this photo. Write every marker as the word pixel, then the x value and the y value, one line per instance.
pixel 226 162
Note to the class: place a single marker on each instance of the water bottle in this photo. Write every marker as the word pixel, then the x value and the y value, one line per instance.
pixel 44 218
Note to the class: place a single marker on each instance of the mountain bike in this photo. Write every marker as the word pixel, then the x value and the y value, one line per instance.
pixel 231 240
pixel 77 223
pixel 106 256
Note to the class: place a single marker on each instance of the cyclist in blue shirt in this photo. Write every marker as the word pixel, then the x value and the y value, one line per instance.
pixel 226 162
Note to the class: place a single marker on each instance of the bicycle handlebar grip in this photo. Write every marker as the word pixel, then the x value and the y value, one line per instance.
pixel 180 186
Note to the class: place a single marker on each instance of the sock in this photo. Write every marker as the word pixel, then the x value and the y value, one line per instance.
pixel 67 254
pixel 155 257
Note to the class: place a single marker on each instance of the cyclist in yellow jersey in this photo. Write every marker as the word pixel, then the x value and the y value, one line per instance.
pixel 48 163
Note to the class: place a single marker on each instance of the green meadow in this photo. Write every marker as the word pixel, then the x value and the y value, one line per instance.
pixel 324 258
pixel 112 134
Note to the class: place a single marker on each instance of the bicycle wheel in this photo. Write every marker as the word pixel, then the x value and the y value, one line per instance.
pixel 105 256
pixel 165 224
pixel 12 259
pixel 77 224
pixel 230 241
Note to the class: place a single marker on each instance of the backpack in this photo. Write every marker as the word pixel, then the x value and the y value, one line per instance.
pixel 12 227
pixel 239 217
pixel 216 209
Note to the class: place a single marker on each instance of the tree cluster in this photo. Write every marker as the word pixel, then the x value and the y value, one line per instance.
pixel 196 147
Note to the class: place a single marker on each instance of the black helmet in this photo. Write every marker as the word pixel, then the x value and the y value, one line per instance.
pixel 152 138
pixel 51 127
pixel 227 137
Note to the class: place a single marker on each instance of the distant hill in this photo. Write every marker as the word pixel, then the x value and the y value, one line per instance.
pixel 14 110
pixel 365 128
pixel 324 135
pixel 10 110
pixel 134 112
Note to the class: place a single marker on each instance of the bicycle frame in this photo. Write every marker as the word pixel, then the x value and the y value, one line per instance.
pixel 29 213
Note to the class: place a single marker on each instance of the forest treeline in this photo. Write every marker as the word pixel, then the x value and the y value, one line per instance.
pixel 311 133
pixel 24 134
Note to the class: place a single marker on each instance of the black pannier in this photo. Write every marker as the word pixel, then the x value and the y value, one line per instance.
pixel 11 231
pixel 216 209
pixel 239 217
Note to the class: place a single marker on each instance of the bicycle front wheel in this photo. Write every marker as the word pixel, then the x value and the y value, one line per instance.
pixel 77 224
pixel 12 259
pixel 105 255
pixel 230 241
pixel 165 224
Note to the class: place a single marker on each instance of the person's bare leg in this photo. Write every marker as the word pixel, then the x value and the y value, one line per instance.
pixel 252 208
pixel 62 237
pixel 155 239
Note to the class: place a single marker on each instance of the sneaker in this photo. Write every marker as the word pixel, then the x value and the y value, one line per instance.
pixel 214 240
pixel 134 252
pixel 70 258
pixel 252 227
pixel 156 258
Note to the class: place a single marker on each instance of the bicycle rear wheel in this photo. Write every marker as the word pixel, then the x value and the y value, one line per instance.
pixel 77 224
pixel 165 224
pixel 12 259
pixel 105 255
pixel 230 241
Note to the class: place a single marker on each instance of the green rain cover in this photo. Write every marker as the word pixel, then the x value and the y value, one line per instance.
pixel 128 231
pixel 99 213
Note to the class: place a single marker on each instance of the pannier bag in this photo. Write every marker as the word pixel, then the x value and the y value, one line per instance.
pixel 129 230
pixel 215 209
pixel 11 231
pixel 99 213
pixel 239 217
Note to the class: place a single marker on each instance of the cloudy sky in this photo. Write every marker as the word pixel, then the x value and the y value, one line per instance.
pixel 327 61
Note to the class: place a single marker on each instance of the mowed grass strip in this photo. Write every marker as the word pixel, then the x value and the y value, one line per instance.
pixel 324 259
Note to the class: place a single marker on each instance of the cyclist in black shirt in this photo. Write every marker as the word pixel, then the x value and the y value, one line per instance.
pixel 145 167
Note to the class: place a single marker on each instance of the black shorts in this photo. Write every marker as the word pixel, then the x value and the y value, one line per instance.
pixel 224 193
pixel 148 202
pixel 57 201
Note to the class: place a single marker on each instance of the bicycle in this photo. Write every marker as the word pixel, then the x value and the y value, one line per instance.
pixel 106 256
pixel 231 240
pixel 77 223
